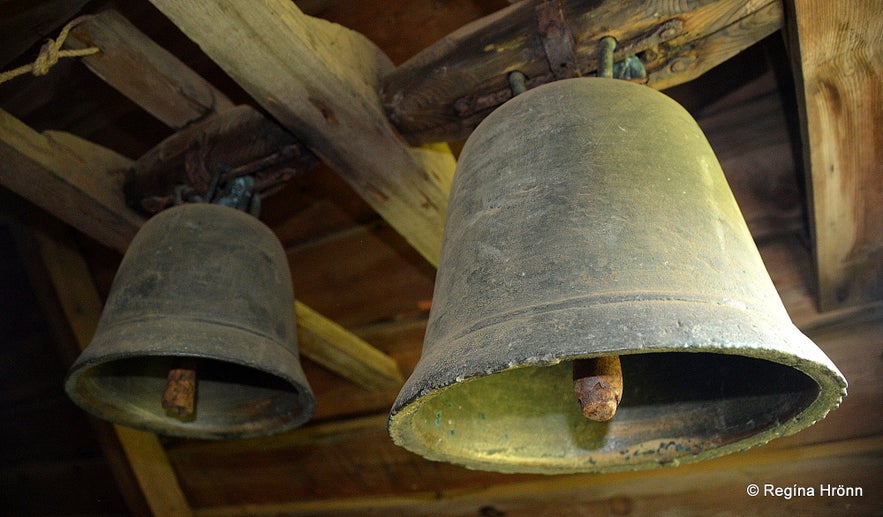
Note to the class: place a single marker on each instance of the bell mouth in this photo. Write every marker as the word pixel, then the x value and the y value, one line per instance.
pixel 676 408
pixel 232 400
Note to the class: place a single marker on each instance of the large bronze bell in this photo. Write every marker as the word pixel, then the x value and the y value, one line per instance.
pixel 206 289
pixel 590 218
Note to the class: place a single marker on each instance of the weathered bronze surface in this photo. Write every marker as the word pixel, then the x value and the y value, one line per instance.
pixel 590 218
pixel 211 285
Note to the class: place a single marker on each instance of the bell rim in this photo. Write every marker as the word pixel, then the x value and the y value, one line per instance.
pixel 106 352
pixel 830 382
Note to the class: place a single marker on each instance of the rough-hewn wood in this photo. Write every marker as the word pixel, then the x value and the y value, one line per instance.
pixel 401 340
pixel 321 82
pixel 191 157
pixel 836 49
pixel 684 58
pixel 402 27
pixel 145 72
pixel 162 85
pixel 332 346
pixel 407 482
pixel 75 180
pixel 81 304
pixel 317 206
pixel 445 91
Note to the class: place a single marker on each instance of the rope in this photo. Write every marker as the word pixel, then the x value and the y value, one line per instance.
pixel 50 53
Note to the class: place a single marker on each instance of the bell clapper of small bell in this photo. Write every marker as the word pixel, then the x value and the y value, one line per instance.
pixel 179 397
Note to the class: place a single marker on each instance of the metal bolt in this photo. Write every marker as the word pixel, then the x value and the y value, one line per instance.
pixel 517 82
pixel 605 58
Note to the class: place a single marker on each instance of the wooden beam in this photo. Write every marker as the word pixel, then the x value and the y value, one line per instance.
pixel 715 32
pixel 749 135
pixel 339 350
pixel 836 50
pixel 145 72
pixel 321 82
pixel 81 304
pixel 165 87
pixel 75 180
pixel 191 155
pixel 443 92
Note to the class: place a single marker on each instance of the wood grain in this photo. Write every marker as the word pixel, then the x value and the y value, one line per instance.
pixel 321 82
pixel 75 180
pixel 354 458
pixel 836 51
pixel 443 92
pixel 334 347
pixel 715 487
pixel 145 72
pixel 191 155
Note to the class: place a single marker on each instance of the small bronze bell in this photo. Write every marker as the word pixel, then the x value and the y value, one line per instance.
pixel 206 288
pixel 590 218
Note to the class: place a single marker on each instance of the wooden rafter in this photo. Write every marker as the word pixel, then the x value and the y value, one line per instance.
pixel 676 42
pixel 346 464
pixel 73 179
pixel 321 82
pixel 145 72
pixel 836 50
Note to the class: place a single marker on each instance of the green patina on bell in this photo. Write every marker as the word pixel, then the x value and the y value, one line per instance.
pixel 589 217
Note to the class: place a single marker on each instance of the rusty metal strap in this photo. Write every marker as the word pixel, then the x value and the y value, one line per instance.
pixel 557 39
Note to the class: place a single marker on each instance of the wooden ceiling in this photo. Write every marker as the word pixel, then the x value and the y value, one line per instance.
pixel 788 95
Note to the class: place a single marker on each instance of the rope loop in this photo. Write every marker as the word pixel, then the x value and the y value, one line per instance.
pixel 50 53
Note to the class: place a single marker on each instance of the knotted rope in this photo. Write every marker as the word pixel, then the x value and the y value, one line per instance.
pixel 50 53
